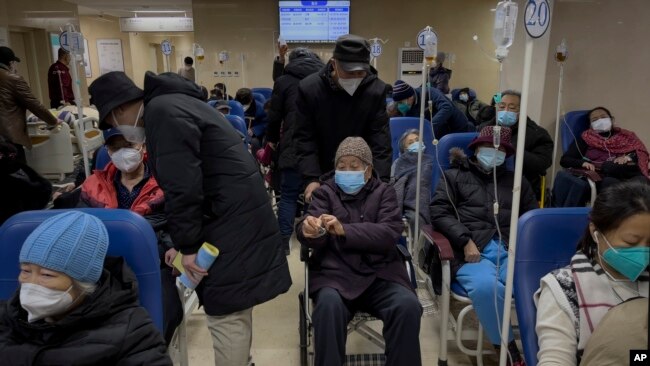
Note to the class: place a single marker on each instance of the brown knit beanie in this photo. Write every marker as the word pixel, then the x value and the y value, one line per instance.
pixel 354 146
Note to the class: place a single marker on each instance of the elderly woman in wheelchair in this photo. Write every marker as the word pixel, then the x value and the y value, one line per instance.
pixel 353 224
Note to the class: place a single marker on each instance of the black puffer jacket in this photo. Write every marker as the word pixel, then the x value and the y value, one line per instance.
pixel 21 189
pixel 472 191
pixel 368 250
pixel 282 114
pixel 108 328
pixel 327 114
pixel 405 184
pixel 538 151
pixel 213 193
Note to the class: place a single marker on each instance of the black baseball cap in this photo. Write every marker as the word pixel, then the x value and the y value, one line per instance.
pixel 110 91
pixel 7 55
pixel 352 53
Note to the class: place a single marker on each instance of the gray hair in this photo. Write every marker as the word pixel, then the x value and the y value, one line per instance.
pixel 302 52
pixel 86 288
pixel 412 131
pixel 511 92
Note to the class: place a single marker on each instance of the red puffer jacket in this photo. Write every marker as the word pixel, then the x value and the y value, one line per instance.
pixel 99 191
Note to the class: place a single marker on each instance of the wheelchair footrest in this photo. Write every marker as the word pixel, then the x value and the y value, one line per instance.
pixel 369 359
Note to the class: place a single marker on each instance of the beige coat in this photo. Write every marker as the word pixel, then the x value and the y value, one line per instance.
pixel 187 73
pixel 15 98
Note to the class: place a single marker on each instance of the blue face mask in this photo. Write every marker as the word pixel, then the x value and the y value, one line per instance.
pixel 350 182
pixel 415 147
pixel 489 157
pixel 403 108
pixel 630 262
pixel 507 118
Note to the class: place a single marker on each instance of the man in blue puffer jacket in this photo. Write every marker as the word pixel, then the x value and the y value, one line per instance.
pixel 446 118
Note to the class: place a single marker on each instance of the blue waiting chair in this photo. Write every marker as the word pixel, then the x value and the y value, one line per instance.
pixel 574 123
pixel 265 92
pixel 239 125
pixel 130 236
pixel 450 141
pixel 259 98
pixel 399 125
pixel 540 251
pixel 236 108
pixel 441 159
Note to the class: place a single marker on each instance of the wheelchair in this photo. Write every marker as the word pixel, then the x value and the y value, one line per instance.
pixel 360 321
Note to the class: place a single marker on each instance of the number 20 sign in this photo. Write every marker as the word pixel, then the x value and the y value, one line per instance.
pixel 537 17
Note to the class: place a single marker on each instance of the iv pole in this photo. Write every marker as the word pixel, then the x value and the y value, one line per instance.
pixel 430 49
pixel 560 57
pixel 79 126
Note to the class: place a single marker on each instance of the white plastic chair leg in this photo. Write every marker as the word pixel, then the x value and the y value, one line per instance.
pixel 444 321
pixel 592 185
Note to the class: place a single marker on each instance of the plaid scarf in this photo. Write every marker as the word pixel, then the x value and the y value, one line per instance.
pixel 595 295
pixel 620 142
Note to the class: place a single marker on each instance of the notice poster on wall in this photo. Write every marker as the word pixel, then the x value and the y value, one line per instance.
pixel 109 53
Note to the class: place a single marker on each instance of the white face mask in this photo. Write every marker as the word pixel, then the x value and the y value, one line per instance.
pixel 41 302
pixel 127 159
pixel 349 85
pixel 132 133
pixel 602 125
pixel 245 107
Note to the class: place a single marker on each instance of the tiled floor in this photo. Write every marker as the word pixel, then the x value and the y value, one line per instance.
pixel 276 339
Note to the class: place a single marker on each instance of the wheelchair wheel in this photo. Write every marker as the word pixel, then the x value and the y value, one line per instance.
pixel 304 332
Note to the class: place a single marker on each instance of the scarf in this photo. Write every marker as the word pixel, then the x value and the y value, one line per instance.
pixel 596 295
pixel 620 142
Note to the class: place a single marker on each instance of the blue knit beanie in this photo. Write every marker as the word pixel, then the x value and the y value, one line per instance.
pixel 73 243
pixel 401 91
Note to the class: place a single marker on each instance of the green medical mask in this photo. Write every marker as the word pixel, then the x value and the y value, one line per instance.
pixel 630 262
pixel 403 108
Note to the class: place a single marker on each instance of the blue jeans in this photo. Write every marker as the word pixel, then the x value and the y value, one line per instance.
pixel 479 280
pixel 290 188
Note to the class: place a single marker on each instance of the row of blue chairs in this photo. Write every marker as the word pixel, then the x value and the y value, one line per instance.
pixel 574 123
pixel 570 223
pixel 539 251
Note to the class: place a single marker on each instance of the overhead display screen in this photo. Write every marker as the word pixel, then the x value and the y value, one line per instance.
pixel 314 21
